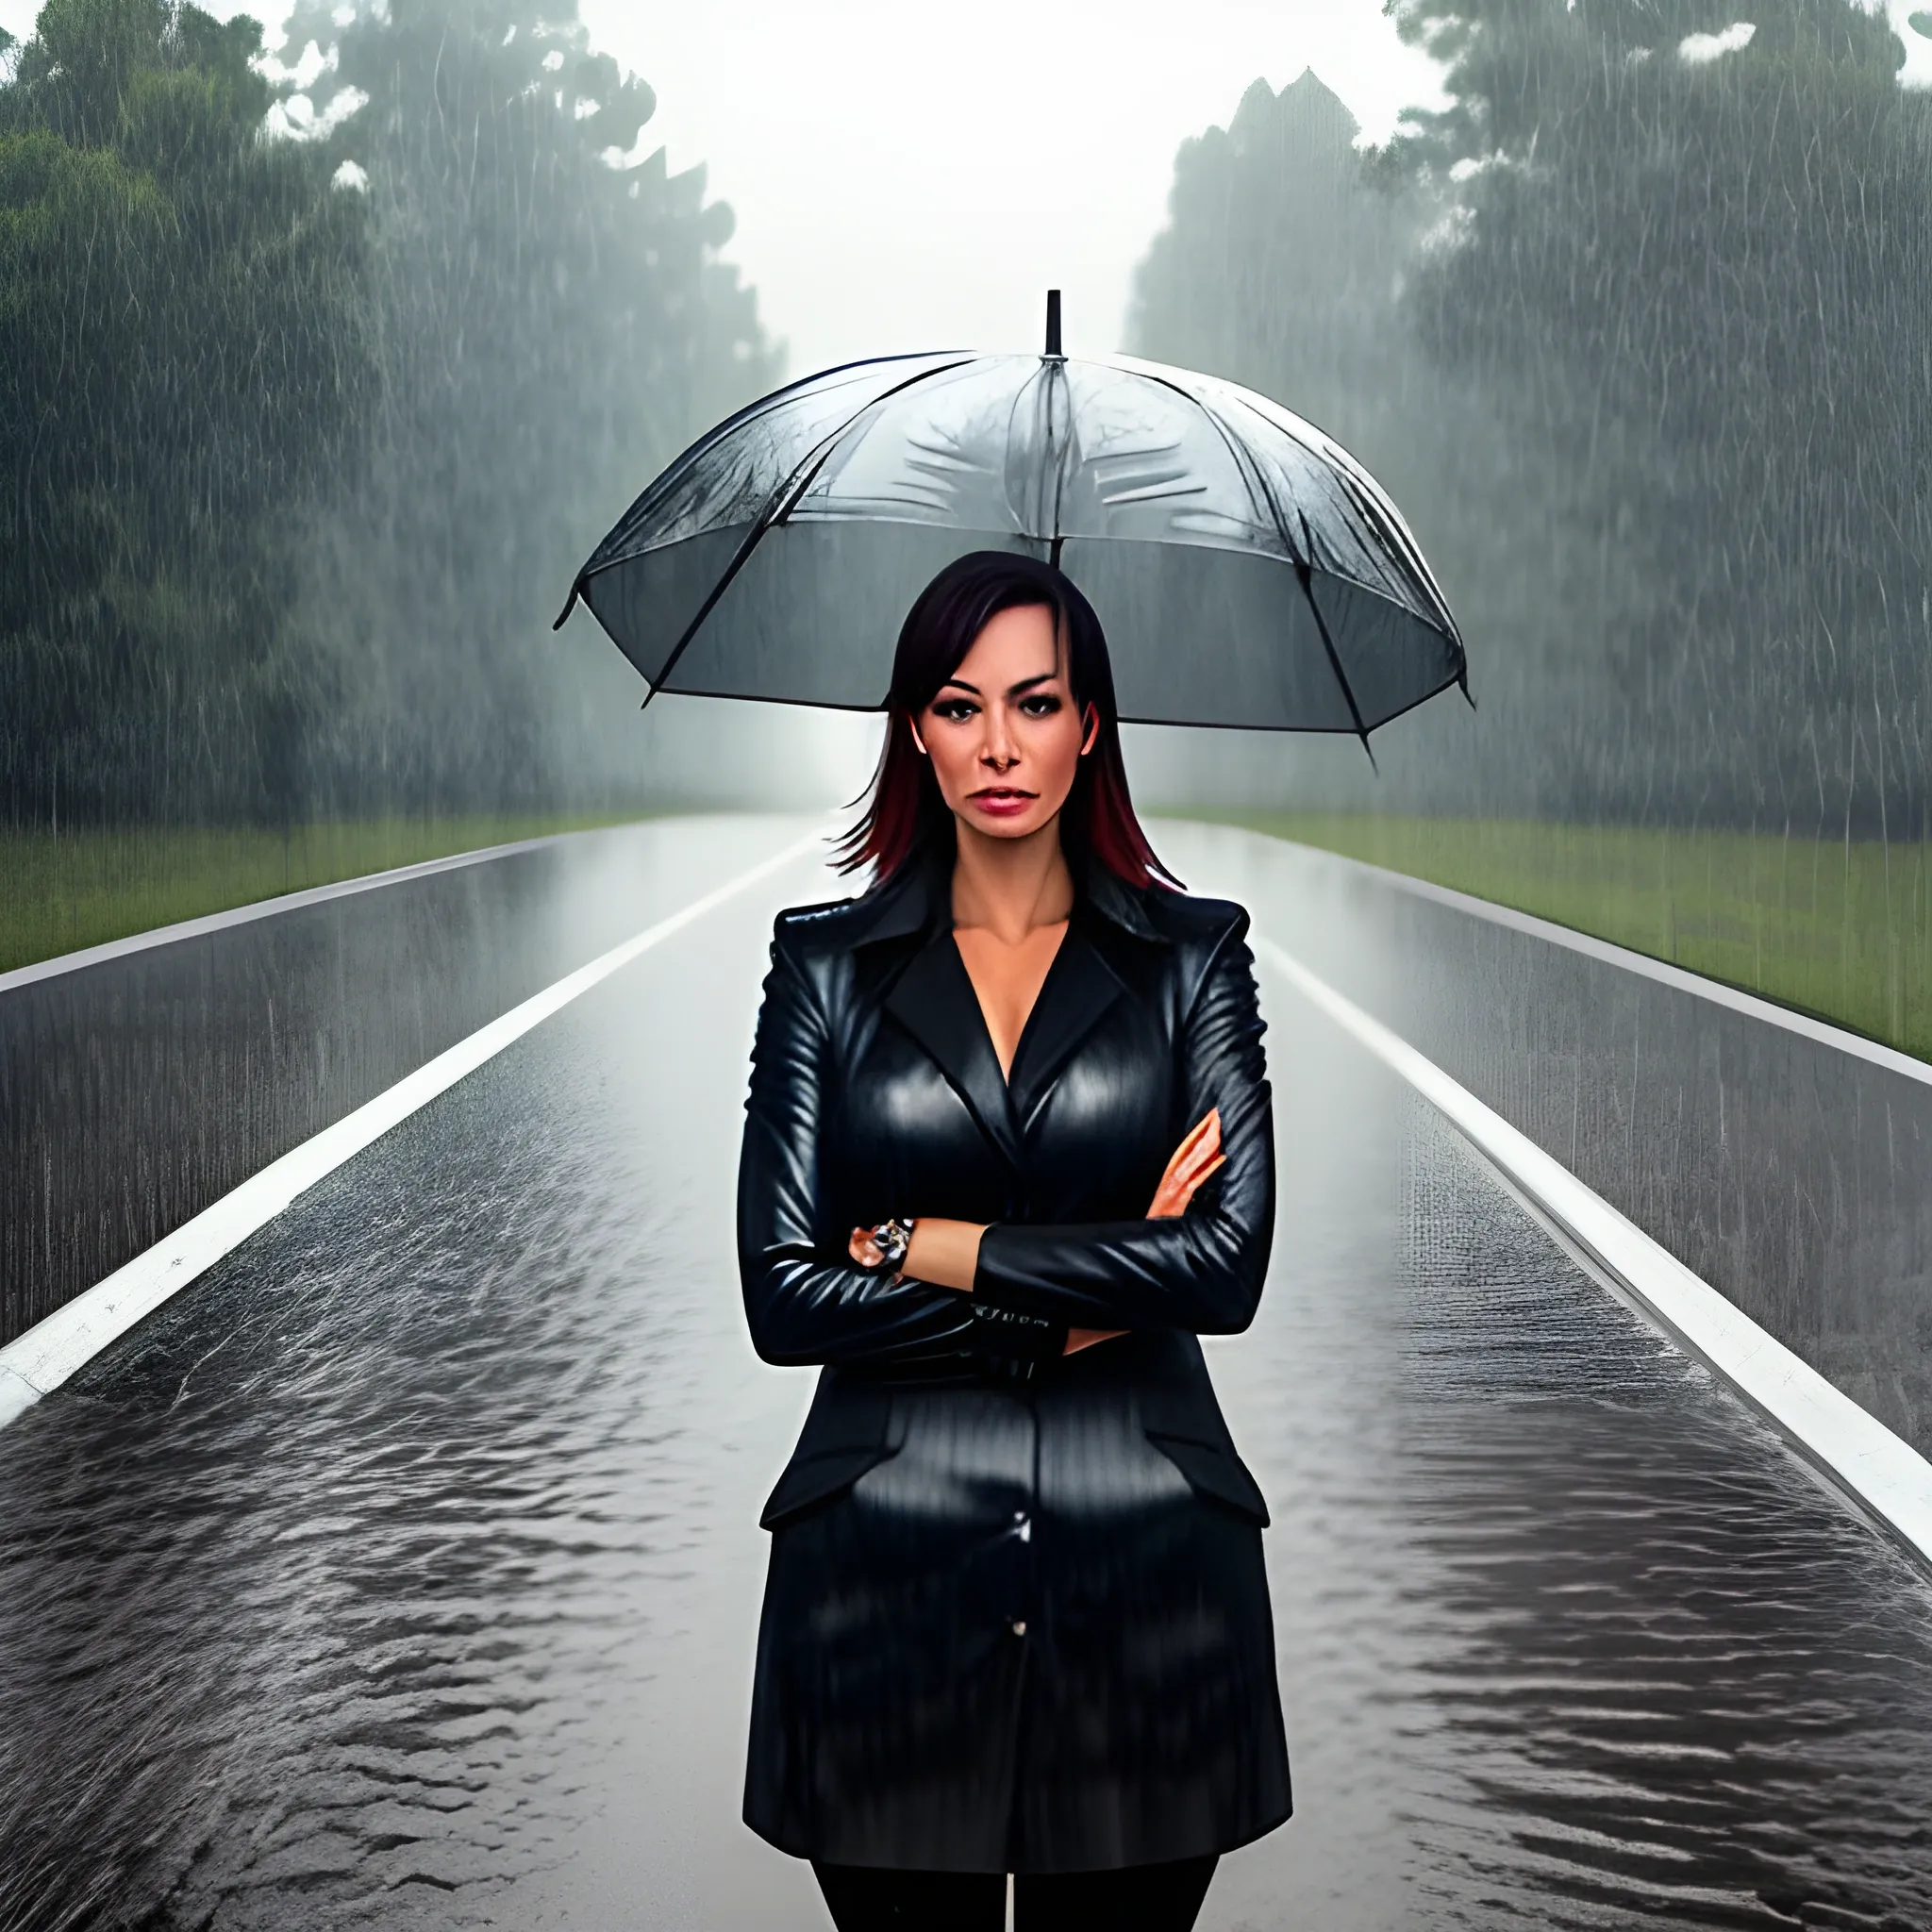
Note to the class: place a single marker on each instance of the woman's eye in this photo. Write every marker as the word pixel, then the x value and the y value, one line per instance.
pixel 954 711
pixel 1040 704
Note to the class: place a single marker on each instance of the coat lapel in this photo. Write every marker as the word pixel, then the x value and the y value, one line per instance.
pixel 933 999
pixel 1080 986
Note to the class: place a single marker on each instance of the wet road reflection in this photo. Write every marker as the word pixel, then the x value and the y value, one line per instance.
pixel 406 1573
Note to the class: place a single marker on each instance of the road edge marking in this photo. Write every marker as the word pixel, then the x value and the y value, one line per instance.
pixel 37 1362
pixel 1878 1469
pixel 1572 938
pixel 36 971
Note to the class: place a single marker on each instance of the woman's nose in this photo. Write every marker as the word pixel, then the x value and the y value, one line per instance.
pixel 998 747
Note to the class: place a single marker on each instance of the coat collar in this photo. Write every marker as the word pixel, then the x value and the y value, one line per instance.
pixel 918 898
pixel 932 997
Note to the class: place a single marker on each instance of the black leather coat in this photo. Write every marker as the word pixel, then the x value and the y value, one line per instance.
pixel 1016 1617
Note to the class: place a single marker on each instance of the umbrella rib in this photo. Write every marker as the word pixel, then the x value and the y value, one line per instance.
pixel 1055 373
pixel 1302 562
pixel 1051 366
pixel 1304 575
pixel 1386 520
pixel 735 422
pixel 815 459
pixel 781 501
pixel 765 406
pixel 1227 436
pixel 1392 528
pixel 1401 538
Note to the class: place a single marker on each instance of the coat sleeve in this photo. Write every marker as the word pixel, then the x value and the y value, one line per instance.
pixel 1201 1271
pixel 803 1302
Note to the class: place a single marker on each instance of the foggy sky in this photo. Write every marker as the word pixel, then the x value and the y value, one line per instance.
pixel 903 183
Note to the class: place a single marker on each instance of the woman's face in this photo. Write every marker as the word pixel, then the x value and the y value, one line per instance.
pixel 1003 735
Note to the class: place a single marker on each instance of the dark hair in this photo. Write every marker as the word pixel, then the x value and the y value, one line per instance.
pixel 904 804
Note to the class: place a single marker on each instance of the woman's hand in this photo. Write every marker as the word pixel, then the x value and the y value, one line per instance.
pixel 864 1249
pixel 945 1254
pixel 1198 1157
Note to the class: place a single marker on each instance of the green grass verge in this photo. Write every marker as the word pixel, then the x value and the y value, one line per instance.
pixel 1843 931
pixel 59 891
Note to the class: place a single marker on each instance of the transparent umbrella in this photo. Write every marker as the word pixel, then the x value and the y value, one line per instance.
pixel 1248 571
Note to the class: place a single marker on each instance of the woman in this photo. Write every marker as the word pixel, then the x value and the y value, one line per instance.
pixel 1008 1152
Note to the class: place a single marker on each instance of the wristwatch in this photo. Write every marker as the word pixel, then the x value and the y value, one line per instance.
pixel 893 1238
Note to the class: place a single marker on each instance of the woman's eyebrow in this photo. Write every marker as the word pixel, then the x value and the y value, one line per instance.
pixel 1028 683
pixel 962 683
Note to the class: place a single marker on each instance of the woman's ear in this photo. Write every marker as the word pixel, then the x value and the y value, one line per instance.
pixel 1092 728
pixel 912 725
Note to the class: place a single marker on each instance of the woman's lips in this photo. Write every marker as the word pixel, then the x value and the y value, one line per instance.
pixel 1002 803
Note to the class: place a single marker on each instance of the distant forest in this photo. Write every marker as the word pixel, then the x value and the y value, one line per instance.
pixel 1639 333
pixel 312 397
pixel 314 390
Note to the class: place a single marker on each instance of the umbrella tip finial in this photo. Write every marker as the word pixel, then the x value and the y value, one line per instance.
pixel 1052 322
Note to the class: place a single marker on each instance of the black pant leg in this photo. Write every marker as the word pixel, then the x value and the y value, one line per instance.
pixel 1136 1898
pixel 865 1898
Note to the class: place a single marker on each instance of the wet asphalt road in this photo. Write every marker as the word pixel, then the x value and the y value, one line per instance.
pixel 405 1572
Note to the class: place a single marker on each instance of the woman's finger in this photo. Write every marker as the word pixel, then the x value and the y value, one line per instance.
pixel 863 1248
pixel 1204 1134
pixel 1191 1162
pixel 1194 1160
pixel 1203 1178
pixel 1208 1127
pixel 1204 1151
pixel 1168 1197
pixel 1175 1193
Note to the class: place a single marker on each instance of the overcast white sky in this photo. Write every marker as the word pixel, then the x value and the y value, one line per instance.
pixel 912 177
pixel 907 176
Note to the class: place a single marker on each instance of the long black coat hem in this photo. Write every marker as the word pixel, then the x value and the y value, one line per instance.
pixel 1219 1848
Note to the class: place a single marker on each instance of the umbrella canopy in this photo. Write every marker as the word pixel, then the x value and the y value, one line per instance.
pixel 1248 571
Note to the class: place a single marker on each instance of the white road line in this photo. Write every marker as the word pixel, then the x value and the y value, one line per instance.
pixel 1856 1450
pixel 43 1357
pixel 1679 979
pixel 268 909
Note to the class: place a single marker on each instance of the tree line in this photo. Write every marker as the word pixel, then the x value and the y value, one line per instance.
pixel 314 390
pixel 1637 331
